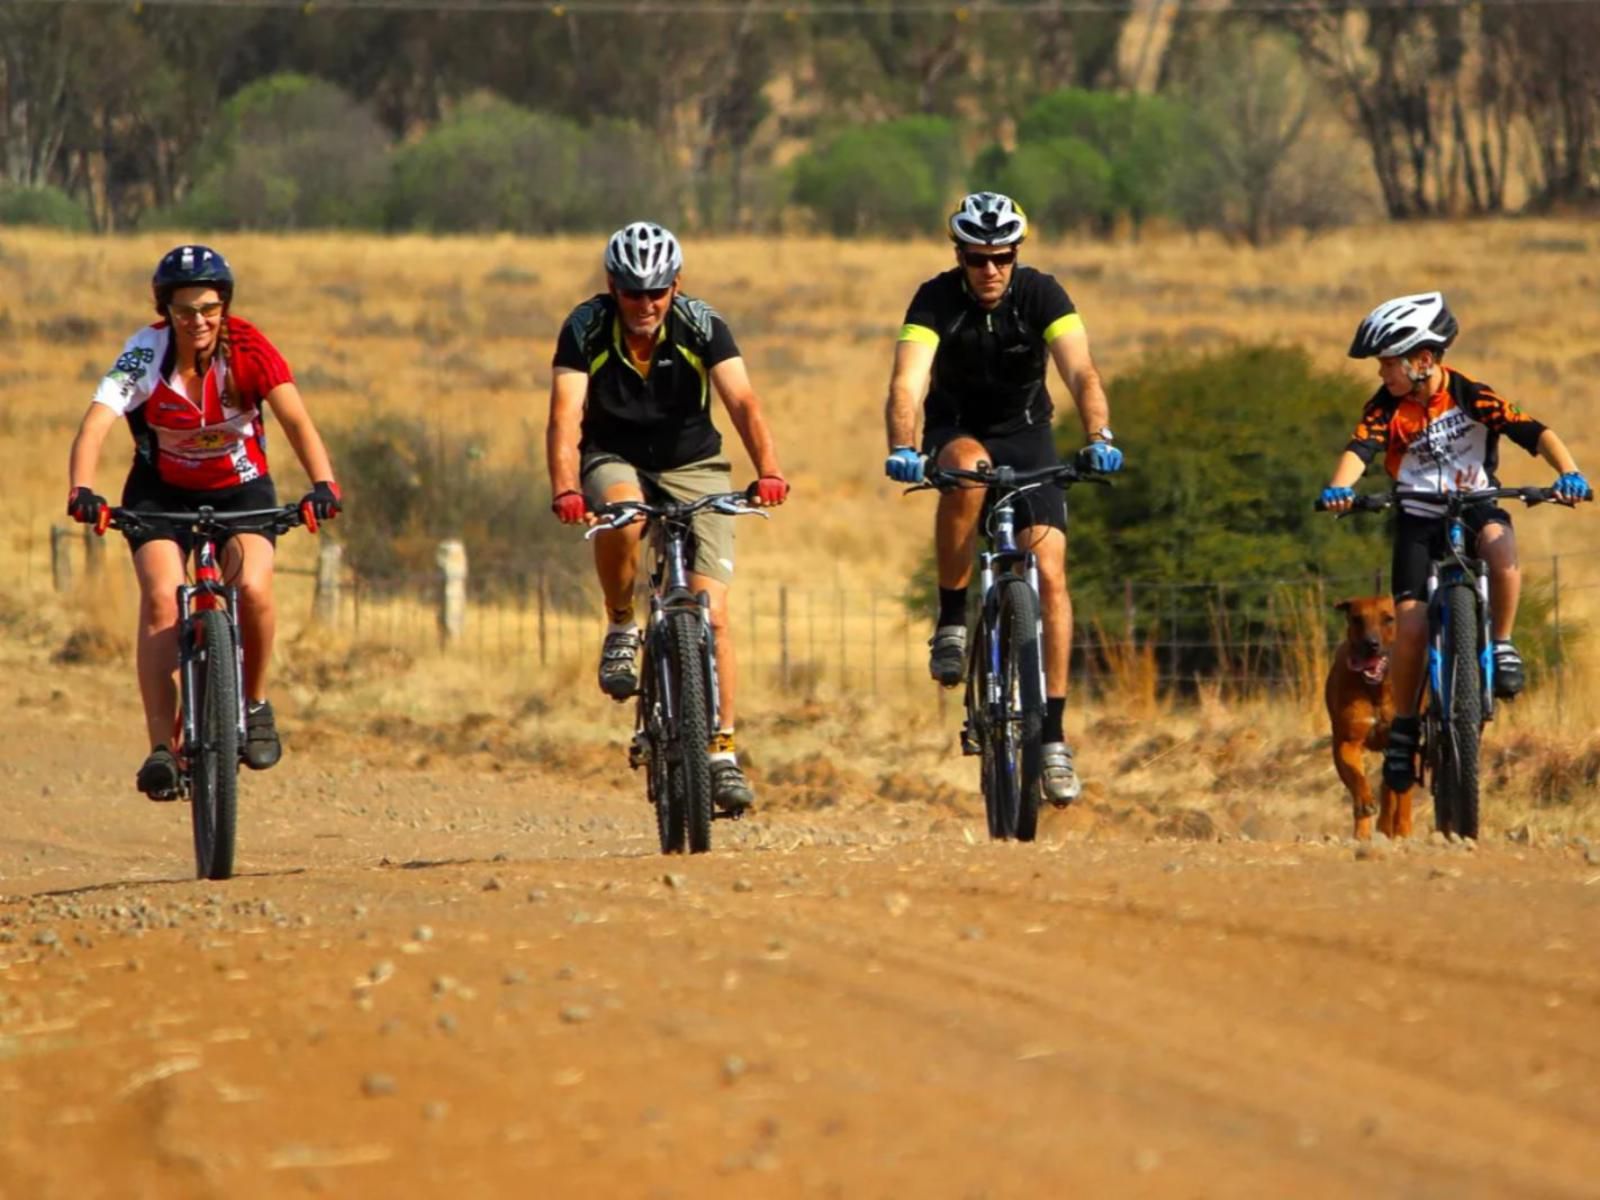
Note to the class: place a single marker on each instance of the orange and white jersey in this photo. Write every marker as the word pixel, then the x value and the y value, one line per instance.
pixel 1451 443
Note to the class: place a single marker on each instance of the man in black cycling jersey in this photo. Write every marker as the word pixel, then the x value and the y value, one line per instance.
pixel 630 419
pixel 977 340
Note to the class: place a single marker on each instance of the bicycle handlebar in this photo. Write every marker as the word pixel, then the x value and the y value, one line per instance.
pixel 208 522
pixel 627 512
pixel 943 479
pixel 1453 501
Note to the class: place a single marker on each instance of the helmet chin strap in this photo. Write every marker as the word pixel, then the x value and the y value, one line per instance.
pixel 1417 377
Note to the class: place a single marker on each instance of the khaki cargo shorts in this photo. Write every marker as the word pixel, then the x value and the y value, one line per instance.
pixel 713 532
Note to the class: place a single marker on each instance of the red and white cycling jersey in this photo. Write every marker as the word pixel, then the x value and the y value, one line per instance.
pixel 197 447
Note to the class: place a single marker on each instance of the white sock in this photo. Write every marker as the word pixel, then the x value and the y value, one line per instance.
pixel 629 627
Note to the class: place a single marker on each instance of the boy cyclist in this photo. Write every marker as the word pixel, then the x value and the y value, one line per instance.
pixel 1438 431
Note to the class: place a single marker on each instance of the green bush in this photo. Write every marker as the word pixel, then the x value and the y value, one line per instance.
pixel 889 178
pixel 495 166
pixel 410 486
pixel 1061 183
pixel 46 206
pixel 292 152
pixel 1137 136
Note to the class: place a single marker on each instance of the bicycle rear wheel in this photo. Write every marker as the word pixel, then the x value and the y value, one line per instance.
pixel 1456 781
pixel 691 758
pixel 214 762
pixel 1018 752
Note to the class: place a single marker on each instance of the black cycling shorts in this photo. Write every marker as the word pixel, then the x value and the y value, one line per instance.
pixel 1420 540
pixel 1027 449
pixel 145 491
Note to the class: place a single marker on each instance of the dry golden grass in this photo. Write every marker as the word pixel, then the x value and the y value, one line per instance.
pixel 459 332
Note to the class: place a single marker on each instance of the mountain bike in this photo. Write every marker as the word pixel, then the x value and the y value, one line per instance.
pixel 1458 686
pixel 209 730
pixel 1005 694
pixel 678 698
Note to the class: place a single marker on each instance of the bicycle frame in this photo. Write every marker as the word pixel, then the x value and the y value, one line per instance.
pixel 1446 572
pixel 1002 555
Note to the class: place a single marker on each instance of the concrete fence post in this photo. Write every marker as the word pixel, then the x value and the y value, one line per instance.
pixel 94 552
pixel 452 560
pixel 325 600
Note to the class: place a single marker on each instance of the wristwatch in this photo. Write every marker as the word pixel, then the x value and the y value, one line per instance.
pixel 1103 434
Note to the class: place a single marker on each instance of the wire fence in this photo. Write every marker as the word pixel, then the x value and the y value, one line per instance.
pixel 1238 637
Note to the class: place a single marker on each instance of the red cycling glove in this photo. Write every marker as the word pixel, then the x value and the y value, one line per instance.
pixel 569 507
pixel 769 490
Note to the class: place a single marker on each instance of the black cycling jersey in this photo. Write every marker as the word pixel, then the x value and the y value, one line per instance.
pixel 989 368
pixel 658 419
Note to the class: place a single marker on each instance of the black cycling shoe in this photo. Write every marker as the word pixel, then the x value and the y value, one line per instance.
pixel 730 790
pixel 262 749
pixel 1509 678
pixel 158 775
pixel 619 673
pixel 1400 755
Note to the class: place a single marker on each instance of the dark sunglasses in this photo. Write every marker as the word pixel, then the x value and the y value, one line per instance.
pixel 638 294
pixel 978 261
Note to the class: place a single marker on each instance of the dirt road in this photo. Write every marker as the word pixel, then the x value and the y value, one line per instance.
pixel 459 981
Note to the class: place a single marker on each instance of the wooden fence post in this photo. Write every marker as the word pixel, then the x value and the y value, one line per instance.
pixel 94 552
pixel 1555 617
pixel 783 636
pixel 325 600
pixel 452 560
pixel 61 557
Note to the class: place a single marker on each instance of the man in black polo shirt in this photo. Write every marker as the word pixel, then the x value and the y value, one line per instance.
pixel 630 413
pixel 977 342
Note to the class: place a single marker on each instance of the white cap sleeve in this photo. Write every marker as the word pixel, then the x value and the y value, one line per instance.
pixel 129 383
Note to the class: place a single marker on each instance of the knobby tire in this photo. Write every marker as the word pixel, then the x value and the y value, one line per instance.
pixel 1456 784
pixel 691 772
pixel 1019 754
pixel 214 763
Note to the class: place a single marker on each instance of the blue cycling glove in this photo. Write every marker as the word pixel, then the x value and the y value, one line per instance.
pixel 1332 496
pixel 1572 486
pixel 1101 457
pixel 904 465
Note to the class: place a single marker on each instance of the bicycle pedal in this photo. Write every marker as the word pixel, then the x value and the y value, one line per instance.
pixel 970 745
pixel 638 753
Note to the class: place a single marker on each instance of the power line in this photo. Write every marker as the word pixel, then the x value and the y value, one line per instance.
pixel 799 10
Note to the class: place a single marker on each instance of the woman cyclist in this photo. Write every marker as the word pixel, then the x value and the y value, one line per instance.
pixel 193 386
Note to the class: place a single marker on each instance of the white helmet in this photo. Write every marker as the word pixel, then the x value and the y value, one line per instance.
pixel 988 219
pixel 643 255
pixel 1397 327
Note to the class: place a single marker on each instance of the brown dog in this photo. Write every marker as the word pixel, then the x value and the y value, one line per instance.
pixel 1361 705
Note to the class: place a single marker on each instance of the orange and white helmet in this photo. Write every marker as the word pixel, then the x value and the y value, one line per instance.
pixel 988 219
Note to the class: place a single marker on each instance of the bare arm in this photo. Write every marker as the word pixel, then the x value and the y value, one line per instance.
pixel 290 409
pixel 84 460
pixel 913 366
pixel 568 391
pixel 1348 470
pixel 732 382
pixel 1076 366
pixel 1554 451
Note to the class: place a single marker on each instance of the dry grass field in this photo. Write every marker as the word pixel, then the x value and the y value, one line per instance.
pixel 459 333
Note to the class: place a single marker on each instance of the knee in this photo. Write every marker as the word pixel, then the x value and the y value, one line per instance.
pixel 719 614
pixel 255 589
pixel 158 608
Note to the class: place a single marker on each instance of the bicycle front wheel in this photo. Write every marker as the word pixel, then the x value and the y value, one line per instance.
pixel 1456 778
pixel 1018 727
pixel 214 762
pixel 691 757
pixel 652 728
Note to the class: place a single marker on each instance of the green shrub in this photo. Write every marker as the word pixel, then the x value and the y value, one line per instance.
pixel 292 152
pixel 1137 136
pixel 1060 183
pixel 495 166
pixel 45 206
pixel 889 178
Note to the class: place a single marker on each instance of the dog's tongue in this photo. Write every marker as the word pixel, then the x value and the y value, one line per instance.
pixel 1373 666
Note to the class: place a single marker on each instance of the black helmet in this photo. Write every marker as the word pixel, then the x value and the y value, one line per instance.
pixel 190 266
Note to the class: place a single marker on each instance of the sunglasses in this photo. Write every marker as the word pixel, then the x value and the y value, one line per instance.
pixel 977 261
pixel 189 311
pixel 640 294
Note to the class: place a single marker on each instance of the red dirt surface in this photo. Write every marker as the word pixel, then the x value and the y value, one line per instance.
pixel 459 980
